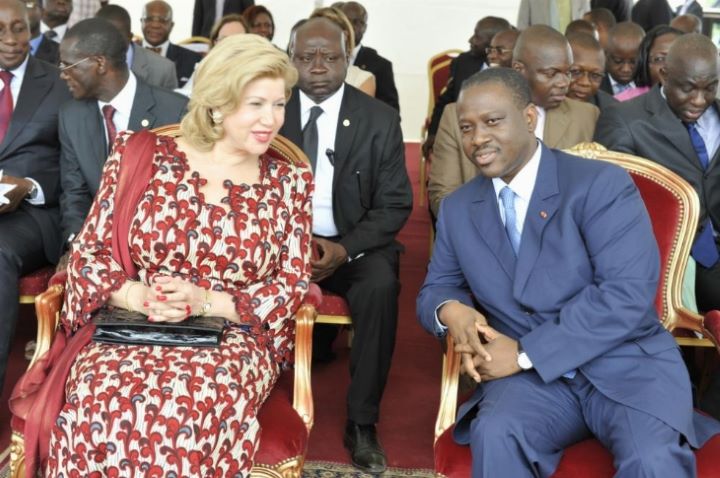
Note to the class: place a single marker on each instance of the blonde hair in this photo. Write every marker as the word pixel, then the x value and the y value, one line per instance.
pixel 339 18
pixel 221 79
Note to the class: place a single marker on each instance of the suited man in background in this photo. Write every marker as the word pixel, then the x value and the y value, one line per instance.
pixel 552 260
pixel 157 23
pixel 368 58
pixel 145 64
pixel 678 125
pixel 619 8
pixel 543 56
pixel 30 98
pixel 461 68
pixel 622 54
pixel 41 47
pixel 55 15
pixel 691 7
pixel 206 13
pixel 108 99
pixel 551 12
pixel 604 21
pixel 362 199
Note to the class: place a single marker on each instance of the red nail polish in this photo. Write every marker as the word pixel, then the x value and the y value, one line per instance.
pixel 188 309
pixel 151 318
pixel 146 304
pixel 158 288
pixel 161 298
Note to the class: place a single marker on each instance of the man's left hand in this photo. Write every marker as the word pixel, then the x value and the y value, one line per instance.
pixel 332 256
pixel 504 352
pixel 16 196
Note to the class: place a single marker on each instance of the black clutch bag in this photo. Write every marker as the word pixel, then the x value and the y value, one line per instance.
pixel 120 326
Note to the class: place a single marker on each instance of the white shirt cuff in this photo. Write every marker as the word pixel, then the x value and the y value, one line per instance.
pixel 39 198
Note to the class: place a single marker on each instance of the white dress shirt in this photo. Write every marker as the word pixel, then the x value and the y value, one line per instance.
pixel 523 185
pixel 163 47
pixel 323 220
pixel 60 30
pixel 617 87
pixel 122 103
pixel 540 125
pixel 18 73
pixel 354 54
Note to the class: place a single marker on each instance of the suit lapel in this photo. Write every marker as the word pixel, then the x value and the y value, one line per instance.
pixel 557 122
pixel 141 114
pixel 292 129
pixel 139 63
pixel 668 125
pixel 349 122
pixel 93 131
pixel 35 86
pixel 543 205
pixel 485 216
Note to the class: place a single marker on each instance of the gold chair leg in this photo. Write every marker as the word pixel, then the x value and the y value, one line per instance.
pixel 17 455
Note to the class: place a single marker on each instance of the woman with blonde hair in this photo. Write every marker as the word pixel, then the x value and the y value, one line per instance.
pixel 218 228
pixel 355 76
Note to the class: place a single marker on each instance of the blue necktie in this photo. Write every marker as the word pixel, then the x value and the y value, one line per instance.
pixel 704 250
pixel 507 197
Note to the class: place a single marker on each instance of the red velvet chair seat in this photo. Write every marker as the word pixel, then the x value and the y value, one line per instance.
pixel 282 432
pixel 587 459
pixel 332 304
pixel 36 282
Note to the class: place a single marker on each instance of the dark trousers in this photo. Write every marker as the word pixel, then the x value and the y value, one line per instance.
pixel 21 252
pixel 370 285
pixel 707 287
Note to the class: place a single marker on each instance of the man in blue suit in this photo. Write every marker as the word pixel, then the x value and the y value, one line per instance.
pixel 558 253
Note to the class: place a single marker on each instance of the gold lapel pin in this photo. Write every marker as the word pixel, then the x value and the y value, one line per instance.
pixel 543 214
pixel 144 123
pixel 346 122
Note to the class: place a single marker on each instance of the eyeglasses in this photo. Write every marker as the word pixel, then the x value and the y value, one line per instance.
pixel 498 49
pixel 577 73
pixel 65 67
pixel 156 19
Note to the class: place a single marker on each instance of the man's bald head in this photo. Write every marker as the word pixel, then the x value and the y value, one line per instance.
pixel 16 39
pixel 690 76
pixel 581 26
pixel 687 23
pixel 625 31
pixel 485 29
pixel 543 56
pixel 358 16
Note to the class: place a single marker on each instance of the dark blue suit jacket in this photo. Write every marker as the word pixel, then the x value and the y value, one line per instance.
pixel 579 295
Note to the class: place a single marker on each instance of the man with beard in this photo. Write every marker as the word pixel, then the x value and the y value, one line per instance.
pixel 54 18
pixel 30 98
pixel 544 273
pixel 461 68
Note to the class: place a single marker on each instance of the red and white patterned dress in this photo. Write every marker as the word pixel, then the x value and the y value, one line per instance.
pixel 136 411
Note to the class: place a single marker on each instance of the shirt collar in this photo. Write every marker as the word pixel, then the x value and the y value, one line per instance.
pixel 354 53
pixel 123 101
pixel 331 105
pixel 60 29
pixel 614 83
pixel 19 72
pixel 523 183
pixel 163 46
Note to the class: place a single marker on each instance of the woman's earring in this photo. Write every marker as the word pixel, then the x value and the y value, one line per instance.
pixel 217 117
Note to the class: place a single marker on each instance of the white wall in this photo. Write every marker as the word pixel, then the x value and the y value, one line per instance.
pixel 407 32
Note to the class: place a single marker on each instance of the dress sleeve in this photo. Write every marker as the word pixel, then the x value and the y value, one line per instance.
pixel 92 272
pixel 269 306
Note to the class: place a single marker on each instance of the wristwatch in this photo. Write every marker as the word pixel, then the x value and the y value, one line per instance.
pixel 32 192
pixel 523 360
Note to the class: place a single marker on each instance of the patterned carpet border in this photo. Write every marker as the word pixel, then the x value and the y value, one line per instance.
pixel 326 469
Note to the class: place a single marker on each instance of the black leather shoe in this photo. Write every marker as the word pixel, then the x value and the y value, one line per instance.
pixel 365 450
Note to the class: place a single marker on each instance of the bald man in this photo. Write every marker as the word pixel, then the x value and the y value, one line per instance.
pixel 667 125
pixel 687 23
pixel 622 52
pixel 500 51
pixel 603 20
pixel 543 56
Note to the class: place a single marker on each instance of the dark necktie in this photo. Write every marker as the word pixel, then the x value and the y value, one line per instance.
pixel 6 103
pixel 507 198
pixel 50 34
pixel 108 112
pixel 155 49
pixel 704 250
pixel 310 136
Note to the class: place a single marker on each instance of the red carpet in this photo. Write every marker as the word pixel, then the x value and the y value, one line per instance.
pixel 411 397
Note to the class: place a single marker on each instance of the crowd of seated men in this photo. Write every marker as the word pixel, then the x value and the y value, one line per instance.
pixel 570 72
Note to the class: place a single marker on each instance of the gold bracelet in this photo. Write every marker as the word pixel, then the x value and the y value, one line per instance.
pixel 127 296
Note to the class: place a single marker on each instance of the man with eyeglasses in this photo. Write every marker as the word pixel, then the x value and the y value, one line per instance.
pixel 500 50
pixel 543 56
pixel 31 93
pixel 157 23
pixel 622 56
pixel 41 47
pixel 108 99
pixel 587 71
pixel 461 68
